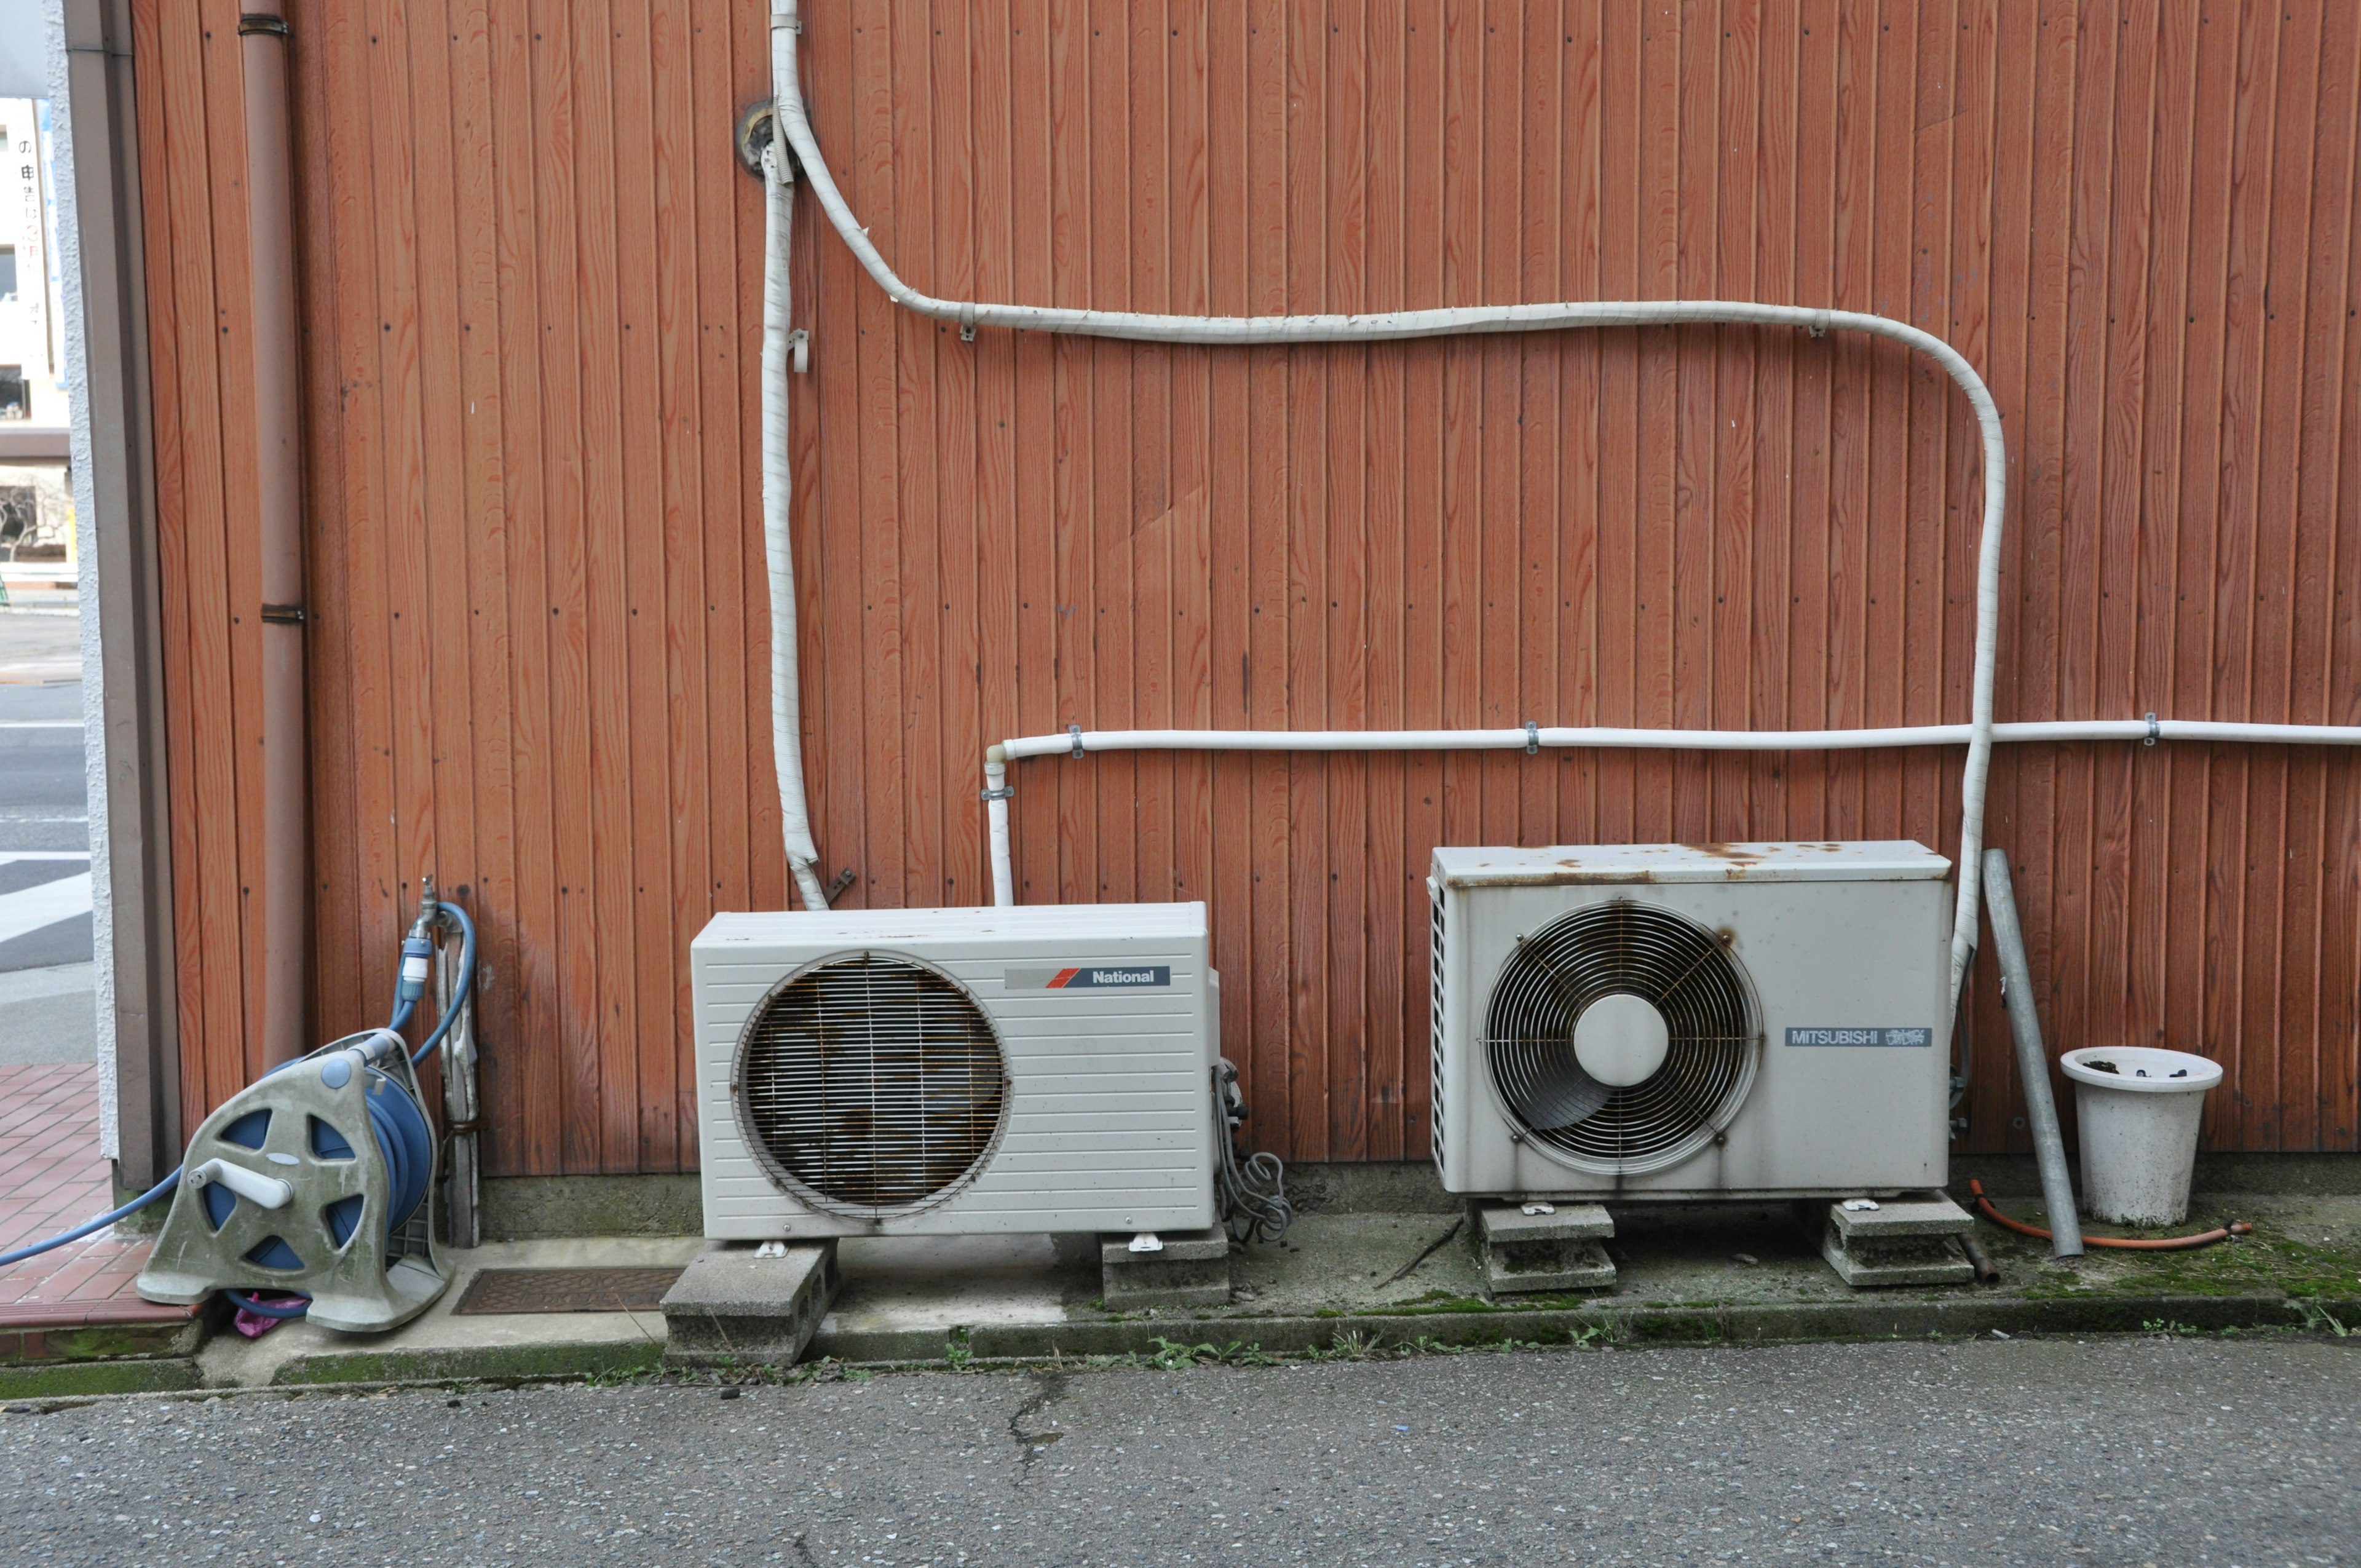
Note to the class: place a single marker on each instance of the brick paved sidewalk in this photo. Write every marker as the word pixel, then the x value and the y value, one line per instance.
pixel 52 1177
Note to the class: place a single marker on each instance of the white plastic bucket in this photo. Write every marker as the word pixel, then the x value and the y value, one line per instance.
pixel 2139 1109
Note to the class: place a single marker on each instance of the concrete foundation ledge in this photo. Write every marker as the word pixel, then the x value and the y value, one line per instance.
pixel 548 1208
pixel 2305 1175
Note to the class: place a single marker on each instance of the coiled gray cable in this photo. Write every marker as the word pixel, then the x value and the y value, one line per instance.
pixel 1253 1196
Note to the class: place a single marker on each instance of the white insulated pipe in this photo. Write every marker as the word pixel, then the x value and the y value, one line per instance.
pixel 778 548
pixel 1979 734
pixel 1558 736
pixel 1607 739
pixel 1384 326
pixel 995 817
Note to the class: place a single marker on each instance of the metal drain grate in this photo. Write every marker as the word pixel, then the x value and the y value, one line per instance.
pixel 496 1291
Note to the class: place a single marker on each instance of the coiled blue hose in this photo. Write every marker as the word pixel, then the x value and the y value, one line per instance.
pixel 406 1143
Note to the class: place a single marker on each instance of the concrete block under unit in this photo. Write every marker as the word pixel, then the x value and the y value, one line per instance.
pixel 733 1305
pixel 1558 1250
pixel 1191 1269
pixel 1902 1241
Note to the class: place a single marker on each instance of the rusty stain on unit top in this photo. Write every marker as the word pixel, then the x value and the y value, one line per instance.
pixel 1710 527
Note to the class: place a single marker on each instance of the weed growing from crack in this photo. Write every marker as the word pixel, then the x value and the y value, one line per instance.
pixel 2317 1317
pixel 1170 1356
pixel 2167 1328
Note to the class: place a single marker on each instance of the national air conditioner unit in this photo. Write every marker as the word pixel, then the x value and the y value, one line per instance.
pixel 1691 1020
pixel 956 1071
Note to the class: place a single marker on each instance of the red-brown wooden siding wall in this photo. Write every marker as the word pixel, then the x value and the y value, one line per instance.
pixel 530 307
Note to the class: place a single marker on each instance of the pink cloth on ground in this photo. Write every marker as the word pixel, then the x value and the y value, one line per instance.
pixel 254 1325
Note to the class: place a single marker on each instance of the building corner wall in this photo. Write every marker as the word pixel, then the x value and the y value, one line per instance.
pixel 93 664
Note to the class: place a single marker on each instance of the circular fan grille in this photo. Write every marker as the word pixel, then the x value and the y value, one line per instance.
pixel 1686 972
pixel 871 1084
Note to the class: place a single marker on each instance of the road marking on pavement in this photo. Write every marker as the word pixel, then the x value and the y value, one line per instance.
pixel 30 909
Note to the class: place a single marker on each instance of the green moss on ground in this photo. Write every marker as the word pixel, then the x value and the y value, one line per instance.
pixel 2271 1261
pixel 64 1379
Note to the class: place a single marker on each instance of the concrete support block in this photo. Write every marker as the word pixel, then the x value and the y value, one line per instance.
pixel 1556 1251
pixel 731 1306
pixel 1903 1241
pixel 1193 1270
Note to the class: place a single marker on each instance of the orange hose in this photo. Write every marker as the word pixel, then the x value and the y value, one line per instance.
pixel 2129 1243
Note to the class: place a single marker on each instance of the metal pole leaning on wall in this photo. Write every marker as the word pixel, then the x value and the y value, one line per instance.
pixel 2032 1060
pixel 263 44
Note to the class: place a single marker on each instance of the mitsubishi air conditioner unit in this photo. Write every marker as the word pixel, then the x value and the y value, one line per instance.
pixel 1691 1020
pixel 956 1071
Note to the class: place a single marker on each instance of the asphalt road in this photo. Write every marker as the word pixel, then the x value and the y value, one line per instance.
pixel 2154 1451
pixel 45 930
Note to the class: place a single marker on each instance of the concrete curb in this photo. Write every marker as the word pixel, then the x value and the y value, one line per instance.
pixel 497 1364
pixel 1001 1344
pixel 117 1374
pixel 1701 1323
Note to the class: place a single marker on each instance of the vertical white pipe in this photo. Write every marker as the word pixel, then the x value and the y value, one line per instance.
pixel 996 812
pixel 778 548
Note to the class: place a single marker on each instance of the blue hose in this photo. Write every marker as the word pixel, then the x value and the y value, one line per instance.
pixel 466 982
pixel 405 1141
pixel 161 1188
pixel 407 1138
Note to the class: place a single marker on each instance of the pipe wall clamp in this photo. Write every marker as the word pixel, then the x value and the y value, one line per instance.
pixel 2154 730
pixel 1005 791
pixel 1075 730
pixel 1532 736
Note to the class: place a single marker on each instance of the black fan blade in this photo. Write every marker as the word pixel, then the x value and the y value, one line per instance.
pixel 1561 1094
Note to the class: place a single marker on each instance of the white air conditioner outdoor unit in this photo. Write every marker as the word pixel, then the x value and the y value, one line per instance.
pixel 956 1071
pixel 1684 1021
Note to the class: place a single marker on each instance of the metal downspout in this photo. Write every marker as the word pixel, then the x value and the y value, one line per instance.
pixel 263 44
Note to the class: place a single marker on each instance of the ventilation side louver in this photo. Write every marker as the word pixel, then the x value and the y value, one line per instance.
pixel 1434 1060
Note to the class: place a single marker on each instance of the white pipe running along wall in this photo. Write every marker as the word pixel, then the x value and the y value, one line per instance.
pixel 1538 737
pixel 1246 330
pixel 778 549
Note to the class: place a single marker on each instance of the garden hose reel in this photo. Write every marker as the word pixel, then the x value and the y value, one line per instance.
pixel 318 1179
